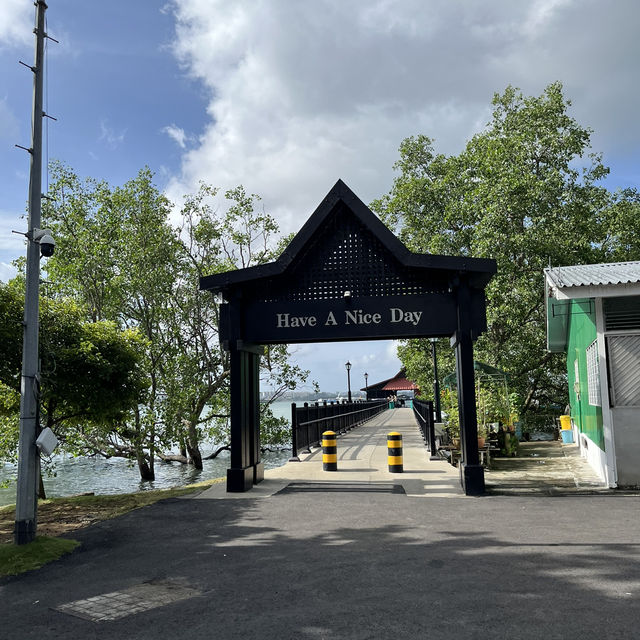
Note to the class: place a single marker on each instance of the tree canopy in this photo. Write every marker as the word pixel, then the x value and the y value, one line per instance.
pixel 525 191
pixel 127 256
pixel 92 373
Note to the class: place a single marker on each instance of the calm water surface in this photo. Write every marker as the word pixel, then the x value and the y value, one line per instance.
pixel 81 475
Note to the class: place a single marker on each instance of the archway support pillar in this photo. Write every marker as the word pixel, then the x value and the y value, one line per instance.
pixel 471 471
pixel 246 467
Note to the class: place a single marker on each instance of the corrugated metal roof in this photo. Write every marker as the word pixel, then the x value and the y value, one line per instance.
pixel 585 275
pixel 400 384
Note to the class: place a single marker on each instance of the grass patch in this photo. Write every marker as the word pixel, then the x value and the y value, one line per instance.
pixel 26 557
pixel 62 515
pixel 59 516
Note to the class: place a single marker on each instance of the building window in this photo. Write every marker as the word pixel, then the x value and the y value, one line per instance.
pixel 593 374
pixel 621 314
pixel 624 369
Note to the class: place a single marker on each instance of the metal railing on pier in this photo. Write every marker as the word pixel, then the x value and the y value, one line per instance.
pixel 311 420
pixel 423 411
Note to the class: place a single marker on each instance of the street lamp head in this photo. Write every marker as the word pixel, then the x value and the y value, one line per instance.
pixel 348 366
pixel 433 340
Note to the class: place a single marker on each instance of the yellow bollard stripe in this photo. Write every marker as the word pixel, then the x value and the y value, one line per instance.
pixel 394 460
pixel 394 444
pixel 329 457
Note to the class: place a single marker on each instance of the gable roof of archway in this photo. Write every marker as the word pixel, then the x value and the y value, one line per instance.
pixel 344 246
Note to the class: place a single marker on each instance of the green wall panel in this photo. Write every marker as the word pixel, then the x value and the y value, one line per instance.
pixel 581 333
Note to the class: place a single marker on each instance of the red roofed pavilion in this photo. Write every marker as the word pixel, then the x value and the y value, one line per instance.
pixel 391 386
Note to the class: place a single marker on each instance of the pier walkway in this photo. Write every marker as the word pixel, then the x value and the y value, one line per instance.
pixel 542 468
pixel 362 460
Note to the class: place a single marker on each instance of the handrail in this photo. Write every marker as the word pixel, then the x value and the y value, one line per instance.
pixel 342 414
pixel 307 421
pixel 423 411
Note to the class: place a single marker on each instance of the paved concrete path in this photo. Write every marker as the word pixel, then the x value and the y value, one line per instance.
pixel 355 563
pixel 544 468
pixel 362 459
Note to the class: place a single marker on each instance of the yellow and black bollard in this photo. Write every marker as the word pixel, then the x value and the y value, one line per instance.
pixel 329 451
pixel 394 452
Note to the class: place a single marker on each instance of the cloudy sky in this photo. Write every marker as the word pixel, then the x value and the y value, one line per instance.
pixel 286 96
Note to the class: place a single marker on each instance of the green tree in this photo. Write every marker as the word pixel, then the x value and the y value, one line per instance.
pixel 91 376
pixel 517 194
pixel 117 255
pixel 216 237
pixel 120 256
pixel 621 241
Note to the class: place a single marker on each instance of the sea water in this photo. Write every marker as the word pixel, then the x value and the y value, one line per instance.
pixel 65 475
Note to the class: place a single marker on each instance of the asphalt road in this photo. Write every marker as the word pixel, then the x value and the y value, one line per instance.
pixel 352 564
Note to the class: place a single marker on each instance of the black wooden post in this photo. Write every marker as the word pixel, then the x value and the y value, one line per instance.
pixel 294 434
pixel 436 382
pixel 431 431
pixel 471 471
pixel 246 468
pixel 306 419
pixel 253 369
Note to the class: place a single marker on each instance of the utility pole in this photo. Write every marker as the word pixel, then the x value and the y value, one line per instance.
pixel 28 455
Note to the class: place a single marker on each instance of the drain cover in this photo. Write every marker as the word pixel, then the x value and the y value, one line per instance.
pixel 119 604
pixel 342 487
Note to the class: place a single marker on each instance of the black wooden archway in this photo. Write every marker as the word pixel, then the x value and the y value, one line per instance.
pixel 345 276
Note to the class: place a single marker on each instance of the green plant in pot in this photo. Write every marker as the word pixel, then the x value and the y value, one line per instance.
pixel 449 401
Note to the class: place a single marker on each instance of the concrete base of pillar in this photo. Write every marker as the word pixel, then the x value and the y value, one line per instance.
pixel 240 479
pixel 472 479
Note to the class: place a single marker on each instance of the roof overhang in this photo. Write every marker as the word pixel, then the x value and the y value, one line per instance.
pixel 606 280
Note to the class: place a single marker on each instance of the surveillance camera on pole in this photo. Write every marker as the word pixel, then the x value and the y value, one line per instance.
pixel 47 244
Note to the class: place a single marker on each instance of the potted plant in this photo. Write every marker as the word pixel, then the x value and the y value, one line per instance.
pixel 483 432
pixel 449 399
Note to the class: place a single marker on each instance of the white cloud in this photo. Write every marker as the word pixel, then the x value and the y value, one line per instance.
pixel 110 136
pixel 177 134
pixel 304 93
pixel 11 244
pixel 16 23
pixel 7 272
pixel 9 241
pixel 327 361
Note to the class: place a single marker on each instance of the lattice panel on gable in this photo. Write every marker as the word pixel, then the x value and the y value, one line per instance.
pixel 346 256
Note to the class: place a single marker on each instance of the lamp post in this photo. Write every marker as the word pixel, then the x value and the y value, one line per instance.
pixel 348 366
pixel 436 384
pixel 366 385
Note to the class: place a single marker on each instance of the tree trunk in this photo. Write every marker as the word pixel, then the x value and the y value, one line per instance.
pixel 145 469
pixel 193 446
pixel 146 472
pixel 41 492
pixel 168 457
pixel 195 457
pixel 217 452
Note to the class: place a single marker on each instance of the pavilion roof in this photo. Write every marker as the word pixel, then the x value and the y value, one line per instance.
pixel 399 382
